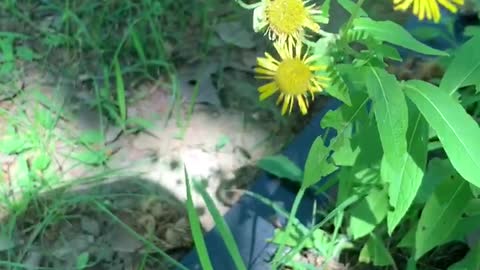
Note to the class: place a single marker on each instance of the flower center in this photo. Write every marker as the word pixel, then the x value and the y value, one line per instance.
pixel 286 16
pixel 293 76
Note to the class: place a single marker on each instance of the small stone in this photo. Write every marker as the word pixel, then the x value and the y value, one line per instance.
pixel 122 241
pixel 147 222
pixel 90 226
pixel 172 236
pixel 6 243
pixel 32 261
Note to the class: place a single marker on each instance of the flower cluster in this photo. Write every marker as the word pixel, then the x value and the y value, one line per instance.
pixel 294 74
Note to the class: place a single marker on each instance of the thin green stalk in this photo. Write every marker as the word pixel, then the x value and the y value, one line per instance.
pixel 291 221
pixel 330 216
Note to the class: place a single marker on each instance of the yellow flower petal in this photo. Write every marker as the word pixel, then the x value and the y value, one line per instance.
pixel 427 9
pixel 264 71
pixel 286 19
pixel 291 76
pixel 265 63
pixel 302 105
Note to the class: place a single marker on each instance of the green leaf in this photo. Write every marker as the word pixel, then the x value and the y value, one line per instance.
pixel 22 173
pixel 326 8
pixel 339 92
pixel 89 157
pixel 472 30
pixel 138 124
pixel 222 227
pixel 346 154
pixel 82 261
pixel 317 165
pixel 324 16
pixel 473 207
pixel 391 112
pixel 222 142
pixel 411 264
pixel 426 33
pixel 14 144
pixel 470 261
pixel 282 167
pixel 121 101
pixel 26 54
pixel 7 57
pixel 393 33
pixel 441 214
pixel 457 131
pixel 408 240
pixel 438 170
pixel 464 69
pixel 337 88
pixel 375 252
pixel 294 237
pixel 196 228
pixel 368 213
pixel 464 227
pixel 399 167
pixel 407 181
pixel 387 51
pixel 137 44
pixel 90 137
pixel 45 118
pixel 351 6
pixel 41 162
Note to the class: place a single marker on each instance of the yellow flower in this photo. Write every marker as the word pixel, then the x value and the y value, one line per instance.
pixel 293 76
pixel 286 20
pixel 429 9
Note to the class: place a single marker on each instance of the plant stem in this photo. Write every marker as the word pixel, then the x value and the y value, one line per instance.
pixel 354 14
pixel 291 220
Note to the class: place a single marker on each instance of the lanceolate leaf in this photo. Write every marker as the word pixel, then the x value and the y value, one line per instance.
pixel 393 33
pixel 281 167
pixel 391 112
pixel 438 170
pixel 368 213
pixel 350 6
pixel 411 173
pixel 317 165
pixel 441 214
pixel 457 131
pixel 465 67
pixel 375 252
pixel 398 167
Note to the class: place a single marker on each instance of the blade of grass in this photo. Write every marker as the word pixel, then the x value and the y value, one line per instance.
pixel 138 45
pixel 222 227
pixel 191 107
pixel 139 237
pixel 120 92
pixel 196 228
